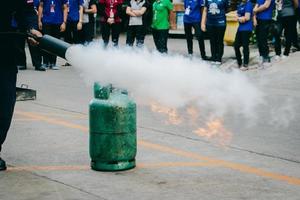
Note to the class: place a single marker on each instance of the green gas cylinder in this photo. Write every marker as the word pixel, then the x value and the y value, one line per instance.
pixel 112 129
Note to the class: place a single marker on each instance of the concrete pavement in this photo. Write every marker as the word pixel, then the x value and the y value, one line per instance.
pixel 47 146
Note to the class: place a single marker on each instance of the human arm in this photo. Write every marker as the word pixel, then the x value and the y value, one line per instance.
pixel 65 16
pixel 139 12
pixel 203 20
pixel 130 12
pixel 79 24
pixel 40 15
pixel 260 8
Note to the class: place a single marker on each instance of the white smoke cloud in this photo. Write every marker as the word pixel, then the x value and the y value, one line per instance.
pixel 171 80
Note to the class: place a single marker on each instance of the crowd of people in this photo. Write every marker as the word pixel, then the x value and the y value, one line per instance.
pixel 73 20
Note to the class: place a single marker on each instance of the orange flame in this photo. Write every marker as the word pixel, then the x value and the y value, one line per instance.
pixel 172 114
pixel 215 131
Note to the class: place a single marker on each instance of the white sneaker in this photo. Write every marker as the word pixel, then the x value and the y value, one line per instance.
pixel 218 63
pixel 283 57
pixel 55 67
pixel 276 58
pixel 244 68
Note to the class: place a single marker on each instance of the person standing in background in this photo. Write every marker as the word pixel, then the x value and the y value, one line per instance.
pixel 52 18
pixel 136 27
pixel 263 10
pixel 192 19
pixel 214 22
pixel 242 37
pixel 88 20
pixel 160 24
pixel 110 19
pixel 286 18
pixel 74 21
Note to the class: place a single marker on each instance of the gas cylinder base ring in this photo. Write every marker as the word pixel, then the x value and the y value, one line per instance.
pixel 112 166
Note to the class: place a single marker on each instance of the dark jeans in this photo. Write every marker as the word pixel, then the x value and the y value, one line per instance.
pixel 87 33
pixel 53 30
pixel 262 31
pixel 216 37
pixel 115 30
pixel 189 37
pixel 138 32
pixel 72 35
pixel 242 40
pixel 160 38
pixel 7 101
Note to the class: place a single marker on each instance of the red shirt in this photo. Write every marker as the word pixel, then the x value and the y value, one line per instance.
pixel 111 6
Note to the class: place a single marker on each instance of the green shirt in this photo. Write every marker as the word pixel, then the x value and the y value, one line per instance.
pixel 161 10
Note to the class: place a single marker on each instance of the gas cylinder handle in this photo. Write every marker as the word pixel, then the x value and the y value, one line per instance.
pixel 102 92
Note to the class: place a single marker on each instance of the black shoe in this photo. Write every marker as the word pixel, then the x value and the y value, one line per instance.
pixel 2 165
pixel 40 69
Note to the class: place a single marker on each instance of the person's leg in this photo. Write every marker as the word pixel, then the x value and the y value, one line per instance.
pixel 155 38
pixel 237 45
pixel 245 38
pixel 55 31
pixel 277 36
pixel 189 37
pixel 264 31
pixel 294 32
pixel 140 35
pixel 212 39
pixel 287 23
pixel 200 38
pixel 76 33
pixel 258 36
pixel 7 103
pixel 163 41
pixel 130 35
pixel 105 31
pixel 220 43
pixel 20 53
pixel 46 56
pixel 36 58
pixel 116 29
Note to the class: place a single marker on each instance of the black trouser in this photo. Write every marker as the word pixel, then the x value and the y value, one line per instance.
pixel 277 32
pixel 7 101
pixel 242 39
pixel 138 32
pixel 262 31
pixel 189 37
pixel 53 30
pixel 115 30
pixel 216 37
pixel 160 38
pixel 87 32
pixel 72 35
pixel 288 24
pixel 20 51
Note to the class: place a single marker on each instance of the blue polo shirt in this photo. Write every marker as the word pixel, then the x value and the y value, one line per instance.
pixel 242 9
pixel 266 14
pixel 53 11
pixel 216 10
pixel 192 12
pixel 36 3
pixel 73 14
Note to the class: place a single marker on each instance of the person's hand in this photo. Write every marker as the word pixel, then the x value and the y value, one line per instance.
pixel 35 33
pixel 40 24
pixel 63 27
pixel 254 22
pixel 110 20
pixel 79 26
pixel 203 27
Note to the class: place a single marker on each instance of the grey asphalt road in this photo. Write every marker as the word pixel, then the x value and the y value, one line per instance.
pixel 47 146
